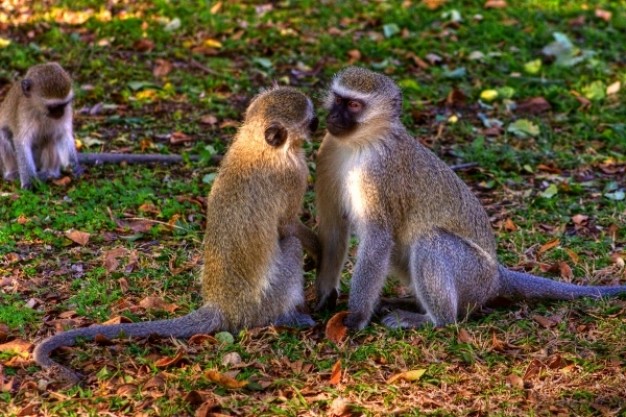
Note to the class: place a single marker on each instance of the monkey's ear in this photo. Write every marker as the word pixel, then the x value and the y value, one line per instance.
pixel 27 85
pixel 275 134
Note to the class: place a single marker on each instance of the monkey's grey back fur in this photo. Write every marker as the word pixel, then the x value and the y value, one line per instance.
pixel 415 218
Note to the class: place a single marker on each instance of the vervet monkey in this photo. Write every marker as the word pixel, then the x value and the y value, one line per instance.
pixel 36 138
pixel 413 216
pixel 252 273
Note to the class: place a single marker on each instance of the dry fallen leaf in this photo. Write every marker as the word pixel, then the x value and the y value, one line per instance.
pixel 336 331
pixel 157 303
pixel 162 67
pixel 509 225
pixel 410 376
pixel 112 258
pixel 335 374
pixel 515 381
pixel 180 137
pixel 143 45
pixel 565 270
pixel 533 105
pixel 354 55
pixel 495 4
pixel 29 410
pixel 16 346
pixel 547 246
pixel 464 336
pixel 208 119
pixel 340 407
pixel 604 15
pixel 225 380
pixel 156 381
pixel 532 370
pixel 572 255
pixel 580 219
pixel 545 321
pixel 433 4
pixel 216 7
pixel 117 320
pixel 613 88
pixel 206 408
pixel 201 338
pixel 167 361
pixel 76 236
pixel 63 181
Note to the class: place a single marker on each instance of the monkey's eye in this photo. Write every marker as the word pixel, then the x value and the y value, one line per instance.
pixel 354 106
pixel 338 100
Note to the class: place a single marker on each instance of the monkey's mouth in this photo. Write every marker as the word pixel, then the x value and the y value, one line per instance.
pixel 338 129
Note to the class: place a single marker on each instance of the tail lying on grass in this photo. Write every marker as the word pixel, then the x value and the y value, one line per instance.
pixel 519 285
pixel 203 320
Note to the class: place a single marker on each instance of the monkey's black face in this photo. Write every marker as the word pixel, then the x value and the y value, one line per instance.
pixel 343 116
pixel 314 124
pixel 57 111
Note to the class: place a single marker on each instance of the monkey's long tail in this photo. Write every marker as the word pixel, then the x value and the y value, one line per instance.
pixel 204 320
pixel 519 285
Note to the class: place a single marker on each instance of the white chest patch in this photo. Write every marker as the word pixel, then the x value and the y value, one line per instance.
pixel 351 176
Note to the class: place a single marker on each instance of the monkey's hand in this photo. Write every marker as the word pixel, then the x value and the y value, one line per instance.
pixel 327 300
pixel 286 230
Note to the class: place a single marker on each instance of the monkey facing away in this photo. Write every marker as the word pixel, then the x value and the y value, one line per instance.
pixel 252 274
pixel 413 216
pixel 36 138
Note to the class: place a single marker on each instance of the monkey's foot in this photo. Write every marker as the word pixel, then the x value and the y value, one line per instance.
pixel 400 319
pixel 327 301
pixel 10 176
pixel 48 175
pixel 389 304
pixel 356 321
pixel 295 319
pixel 77 170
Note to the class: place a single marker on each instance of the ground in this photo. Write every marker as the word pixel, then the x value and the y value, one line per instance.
pixel 531 92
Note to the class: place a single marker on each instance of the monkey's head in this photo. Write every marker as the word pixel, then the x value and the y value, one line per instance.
pixel 358 97
pixel 285 114
pixel 49 88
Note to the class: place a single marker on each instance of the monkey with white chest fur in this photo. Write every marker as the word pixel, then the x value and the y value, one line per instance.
pixel 413 216
pixel 36 136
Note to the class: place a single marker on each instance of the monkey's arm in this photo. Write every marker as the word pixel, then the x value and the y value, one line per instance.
pixel 370 272
pixel 310 241
pixel 334 233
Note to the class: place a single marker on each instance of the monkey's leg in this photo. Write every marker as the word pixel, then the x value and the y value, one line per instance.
pixel 25 160
pixel 449 277
pixel 288 290
pixel 370 273
pixel 8 164
pixel 334 232
pixel 50 162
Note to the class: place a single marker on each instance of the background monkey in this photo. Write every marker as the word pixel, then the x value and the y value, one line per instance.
pixel 36 137
pixel 412 214
pixel 252 273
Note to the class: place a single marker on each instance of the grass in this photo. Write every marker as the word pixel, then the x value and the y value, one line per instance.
pixel 144 71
